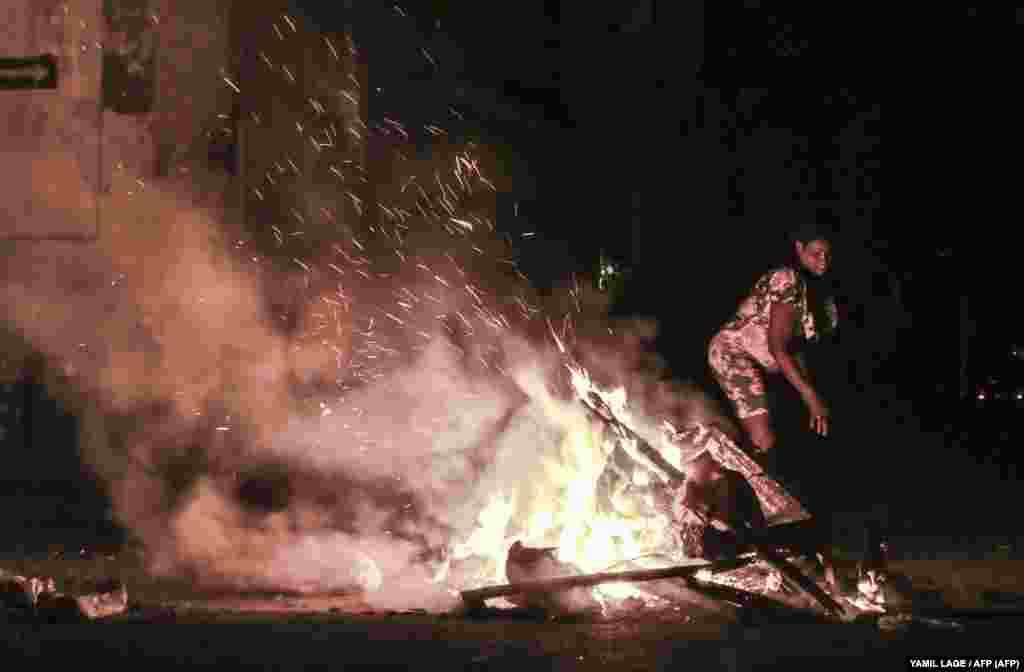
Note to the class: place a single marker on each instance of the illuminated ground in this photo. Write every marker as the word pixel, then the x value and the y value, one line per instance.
pixel 980 584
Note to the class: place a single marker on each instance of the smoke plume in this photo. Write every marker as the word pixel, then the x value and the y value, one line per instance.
pixel 318 414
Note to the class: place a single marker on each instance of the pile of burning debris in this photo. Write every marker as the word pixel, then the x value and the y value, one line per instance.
pixel 777 558
pixel 38 600
pixel 764 575
pixel 633 524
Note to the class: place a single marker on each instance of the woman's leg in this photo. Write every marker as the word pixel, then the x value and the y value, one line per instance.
pixel 761 436
pixel 743 382
pixel 759 431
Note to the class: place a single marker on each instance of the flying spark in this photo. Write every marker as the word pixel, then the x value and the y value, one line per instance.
pixel 330 45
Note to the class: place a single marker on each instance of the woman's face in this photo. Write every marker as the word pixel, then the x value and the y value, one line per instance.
pixel 816 256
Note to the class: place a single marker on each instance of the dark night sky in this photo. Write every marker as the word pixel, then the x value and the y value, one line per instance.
pixel 684 140
pixel 615 95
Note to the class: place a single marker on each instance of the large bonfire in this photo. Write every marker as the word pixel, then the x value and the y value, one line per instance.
pixel 425 409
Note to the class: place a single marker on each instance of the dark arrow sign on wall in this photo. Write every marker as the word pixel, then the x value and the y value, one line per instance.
pixel 33 73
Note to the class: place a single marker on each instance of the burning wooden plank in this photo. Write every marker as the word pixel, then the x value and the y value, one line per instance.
pixel 765 551
pixel 778 505
pixel 768 544
pixel 797 579
pixel 474 599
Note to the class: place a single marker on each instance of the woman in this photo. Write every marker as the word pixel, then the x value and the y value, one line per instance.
pixel 782 312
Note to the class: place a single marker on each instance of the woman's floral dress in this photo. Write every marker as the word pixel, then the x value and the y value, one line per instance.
pixel 739 353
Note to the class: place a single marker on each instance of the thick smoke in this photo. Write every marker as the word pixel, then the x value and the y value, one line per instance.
pixel 333 426
pixel 185 383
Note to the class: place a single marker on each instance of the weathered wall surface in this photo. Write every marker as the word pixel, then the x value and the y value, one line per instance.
pixel 121 200
pixel 61 160
pixel 75 182
pixel 50 165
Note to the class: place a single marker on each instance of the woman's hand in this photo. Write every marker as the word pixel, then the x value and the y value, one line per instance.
pixel 820 416
pixel 781 333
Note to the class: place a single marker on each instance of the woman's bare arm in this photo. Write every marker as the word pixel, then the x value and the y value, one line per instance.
pixel 801 363
pixel 780 336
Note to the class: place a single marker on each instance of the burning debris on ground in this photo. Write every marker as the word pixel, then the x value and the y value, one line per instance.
pixel 525 564
pixel 38 600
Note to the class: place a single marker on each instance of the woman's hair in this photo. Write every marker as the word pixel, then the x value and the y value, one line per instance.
pixel 809 231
